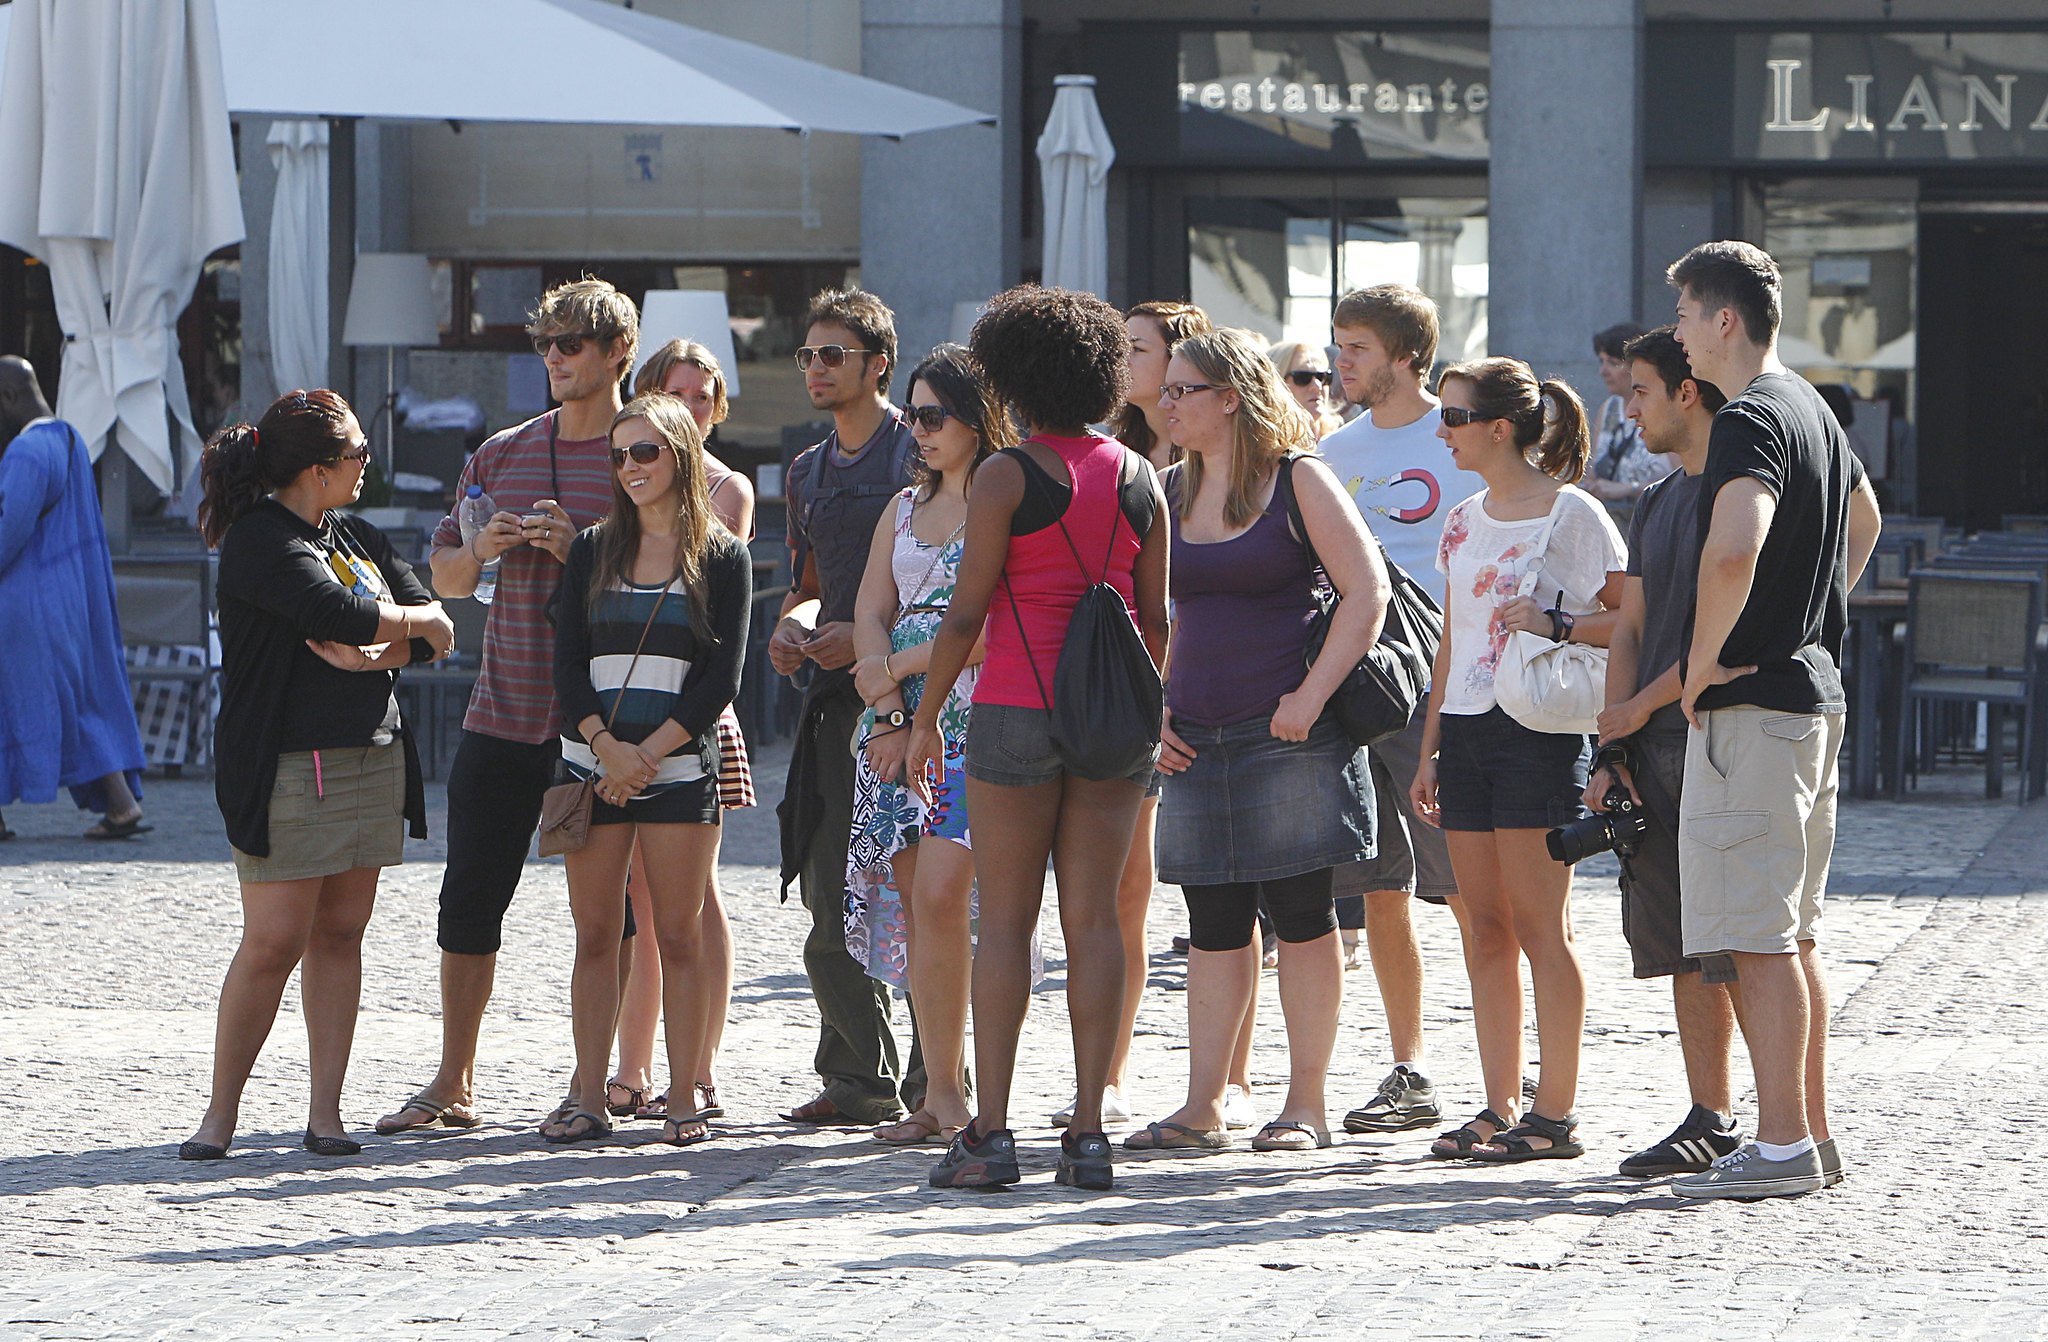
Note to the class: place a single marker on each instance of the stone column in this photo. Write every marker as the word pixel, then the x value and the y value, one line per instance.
pixel 939 211
pixel 1565 181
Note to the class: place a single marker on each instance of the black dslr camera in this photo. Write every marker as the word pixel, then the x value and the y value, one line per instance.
pixel 1618 827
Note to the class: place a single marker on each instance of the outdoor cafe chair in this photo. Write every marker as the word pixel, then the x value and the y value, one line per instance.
pixel 1974 637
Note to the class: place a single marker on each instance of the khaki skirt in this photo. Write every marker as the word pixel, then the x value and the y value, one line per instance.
pixel 343 812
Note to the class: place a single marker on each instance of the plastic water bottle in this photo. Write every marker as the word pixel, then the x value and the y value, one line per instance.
pixel 473 515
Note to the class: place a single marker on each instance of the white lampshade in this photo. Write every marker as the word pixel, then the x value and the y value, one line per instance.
pixel 391 302
pixel 690 314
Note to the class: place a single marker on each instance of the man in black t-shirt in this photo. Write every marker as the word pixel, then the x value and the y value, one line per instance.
pixel 1781 497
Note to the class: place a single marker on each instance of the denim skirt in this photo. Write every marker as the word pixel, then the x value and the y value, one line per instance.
pixel 1253 808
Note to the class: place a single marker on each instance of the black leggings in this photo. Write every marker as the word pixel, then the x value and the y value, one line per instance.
pixel 1222 917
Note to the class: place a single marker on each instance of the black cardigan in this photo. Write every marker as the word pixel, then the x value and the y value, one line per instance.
pixel 276 591
pixel 713 681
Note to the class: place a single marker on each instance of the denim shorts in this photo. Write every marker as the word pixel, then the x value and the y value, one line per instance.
pixel 1012 746
pixel 1255 808
pixel 1494 773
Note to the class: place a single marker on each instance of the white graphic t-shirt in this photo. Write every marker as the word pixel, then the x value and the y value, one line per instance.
pixel 1402 479
pixel 1484 561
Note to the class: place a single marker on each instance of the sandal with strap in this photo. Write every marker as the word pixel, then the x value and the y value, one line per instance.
pixel 635 1100
pixel 920 1128
pixel 1288 1135
pixel 597 1126
pixel 1513 1145
pixel 1165 1136
pixel 1465 1137
pixel 707 1100
pixel 438 1115
pixel 678 1122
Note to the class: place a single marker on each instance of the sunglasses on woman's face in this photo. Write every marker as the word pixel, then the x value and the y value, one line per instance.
pixel 355 454
pixel 644 453
pixel 1302 377
pixel 1457 417
pixel 930 418
pixel 569 342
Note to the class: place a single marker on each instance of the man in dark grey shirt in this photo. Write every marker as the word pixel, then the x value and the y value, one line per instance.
pixel 1675 411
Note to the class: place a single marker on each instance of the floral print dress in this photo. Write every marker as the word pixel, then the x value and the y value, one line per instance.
pixel 887 817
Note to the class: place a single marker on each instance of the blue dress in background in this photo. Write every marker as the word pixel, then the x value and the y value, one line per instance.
pixel 67 717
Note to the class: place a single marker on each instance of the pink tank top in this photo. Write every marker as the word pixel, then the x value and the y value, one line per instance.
pixel 1041 581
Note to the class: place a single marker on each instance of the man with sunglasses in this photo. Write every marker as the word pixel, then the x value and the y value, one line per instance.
pixel 837 491
pixel 551 477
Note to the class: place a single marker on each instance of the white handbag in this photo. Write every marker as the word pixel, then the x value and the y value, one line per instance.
pixel 1546 686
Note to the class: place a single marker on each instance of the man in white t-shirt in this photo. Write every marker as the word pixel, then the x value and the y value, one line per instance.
pixel 1402 476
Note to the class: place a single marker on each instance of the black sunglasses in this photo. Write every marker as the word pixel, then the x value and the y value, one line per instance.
pixel 1457 417
pixel 644 453
pixel 830 355
pixel 932 418
pixel 569 342
pixel 1302 377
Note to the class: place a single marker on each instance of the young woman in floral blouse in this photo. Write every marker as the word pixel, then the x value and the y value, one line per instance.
pixel 923 942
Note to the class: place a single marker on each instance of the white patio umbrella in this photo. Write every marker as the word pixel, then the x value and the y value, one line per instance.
pixel 1074 154
pixel 119 173
pixel 298 255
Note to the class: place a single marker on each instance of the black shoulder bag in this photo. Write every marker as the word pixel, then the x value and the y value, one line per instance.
pixel 1104 714
pixel 1380 695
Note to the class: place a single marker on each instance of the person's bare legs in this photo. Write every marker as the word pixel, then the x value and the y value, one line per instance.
pixel 1539 892
pixel 1221 986
pixel 331 989
pixel 1013 835
pixel 1133 903
pixel 1493 962
pixel 1095 818
pixel 1816 1042
pixel 121 804
pixel 277 918
pixel 941 967
pixel 679 877
pixel 1241 1046
pixel 1777 1023
pixel 597 904
pixel 1397 968
pixel 1311 997
pixel 715 982
pixel 640 1002
pixel 1706 1035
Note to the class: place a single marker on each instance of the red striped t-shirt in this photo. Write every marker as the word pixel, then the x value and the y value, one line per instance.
pixel 514 697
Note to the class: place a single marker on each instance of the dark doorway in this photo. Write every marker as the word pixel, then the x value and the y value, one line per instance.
pixel 1983 423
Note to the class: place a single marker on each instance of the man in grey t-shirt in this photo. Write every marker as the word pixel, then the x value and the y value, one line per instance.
pixel 1675 412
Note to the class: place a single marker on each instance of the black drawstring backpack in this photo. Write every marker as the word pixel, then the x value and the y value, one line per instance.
pixel 1105 710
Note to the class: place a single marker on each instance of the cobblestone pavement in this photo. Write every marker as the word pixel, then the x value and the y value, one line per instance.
pixel 110 960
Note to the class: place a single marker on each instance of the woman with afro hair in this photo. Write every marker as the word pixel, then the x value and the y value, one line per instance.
pixel 1057 360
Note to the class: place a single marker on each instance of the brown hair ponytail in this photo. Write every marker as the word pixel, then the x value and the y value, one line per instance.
pixel 244 462
pixel 1566 446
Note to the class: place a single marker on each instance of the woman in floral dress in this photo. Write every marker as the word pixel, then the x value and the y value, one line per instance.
pixel 922 943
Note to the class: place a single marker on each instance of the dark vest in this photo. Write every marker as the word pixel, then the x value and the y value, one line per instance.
pixel 840 506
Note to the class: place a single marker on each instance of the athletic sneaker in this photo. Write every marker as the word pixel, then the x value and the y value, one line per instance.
pixel 986 1162
pixel 1749 1173
pixel 1406 1099
pixel 1692 1146
pixel 1831 1171
pixel 1085 1162
pixel 1116 1110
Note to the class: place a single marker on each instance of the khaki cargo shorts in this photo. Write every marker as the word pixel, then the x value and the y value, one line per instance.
pixel 1756 829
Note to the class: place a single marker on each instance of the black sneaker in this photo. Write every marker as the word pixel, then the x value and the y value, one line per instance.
pixel 1692 1146
pixel 1406 1100
pixel 1084 1162
pixel 973 1161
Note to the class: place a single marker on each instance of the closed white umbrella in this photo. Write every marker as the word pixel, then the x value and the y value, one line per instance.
pixel 120 174
pixel 1074 155
pixel 298 255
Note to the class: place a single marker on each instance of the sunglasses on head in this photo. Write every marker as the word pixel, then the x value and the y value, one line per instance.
pixel 569 342
pixel 830 355
pixel 931 418
pixel 644 453
pixel 1302 377
pixel 1457 417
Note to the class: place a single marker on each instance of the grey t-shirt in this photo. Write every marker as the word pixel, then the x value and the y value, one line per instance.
pixel 1663 550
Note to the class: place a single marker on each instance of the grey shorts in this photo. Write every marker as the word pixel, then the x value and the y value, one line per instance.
pixel 1012 746
pixel 1650 903
pixel 347 812
pixel 1412 855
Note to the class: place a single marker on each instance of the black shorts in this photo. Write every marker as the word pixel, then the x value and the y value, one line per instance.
pixel 1650 905
pixel 1494 773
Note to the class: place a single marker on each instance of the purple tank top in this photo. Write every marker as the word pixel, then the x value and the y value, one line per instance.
pixel 1241 612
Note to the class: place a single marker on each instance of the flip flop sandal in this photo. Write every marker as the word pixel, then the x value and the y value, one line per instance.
pixel 919 1129
pixel 636 1100
pixel 1164 1136
pixel 654 1108
pixel 599 1126
pixel 1466 1136
pixel 1513 1146
pixel 1290 1136
pixel 707 1101
pixel 123 829
pixel 679 1121
pixel 438 1115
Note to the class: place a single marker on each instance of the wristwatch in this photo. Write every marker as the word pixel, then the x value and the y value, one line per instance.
pixel 1567 620
pixel 895 717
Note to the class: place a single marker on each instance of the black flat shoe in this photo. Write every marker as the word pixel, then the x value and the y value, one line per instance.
pixel 331 1146
pixel 196 1150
